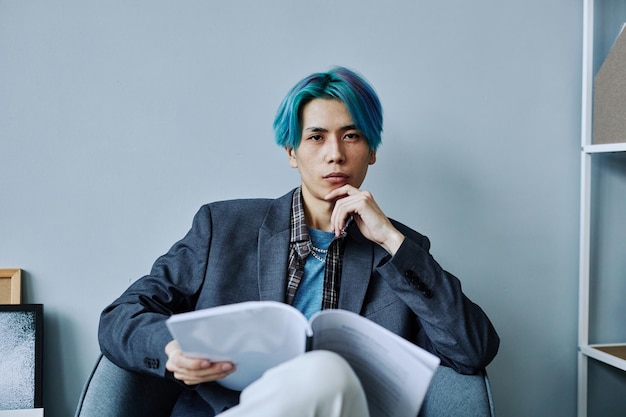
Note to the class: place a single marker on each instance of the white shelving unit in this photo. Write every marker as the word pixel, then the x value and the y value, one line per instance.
pixel 612 354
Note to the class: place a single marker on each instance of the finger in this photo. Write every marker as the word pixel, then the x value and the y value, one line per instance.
pixel 217 370
pixel 342 210
pixel 173 352
pixel 172 347
pixel 342 191
pixel 193 364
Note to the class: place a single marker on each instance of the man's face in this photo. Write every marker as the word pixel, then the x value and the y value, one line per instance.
pixel 332 152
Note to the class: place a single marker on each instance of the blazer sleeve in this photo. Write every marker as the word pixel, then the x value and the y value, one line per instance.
pixel 132 331
pixel 450 325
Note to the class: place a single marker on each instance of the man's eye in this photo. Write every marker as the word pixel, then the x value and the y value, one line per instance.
pixel 316 138
pixel 352 136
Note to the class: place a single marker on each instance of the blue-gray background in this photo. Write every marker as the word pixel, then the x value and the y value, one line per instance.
pixel 118 119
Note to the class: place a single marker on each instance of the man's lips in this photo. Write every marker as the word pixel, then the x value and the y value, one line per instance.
pixel 337 178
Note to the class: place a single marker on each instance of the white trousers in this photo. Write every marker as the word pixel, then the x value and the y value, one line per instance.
pixel 316 384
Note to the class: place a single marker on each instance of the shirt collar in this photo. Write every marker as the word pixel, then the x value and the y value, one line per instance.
pixel 299 232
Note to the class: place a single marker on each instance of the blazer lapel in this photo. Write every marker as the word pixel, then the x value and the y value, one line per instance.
pixel 356 270
pixel 273 250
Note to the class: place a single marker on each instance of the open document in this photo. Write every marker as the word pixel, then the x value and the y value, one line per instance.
pixel 258 335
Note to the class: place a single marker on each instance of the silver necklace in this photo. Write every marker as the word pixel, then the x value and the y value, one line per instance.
pixel 316 250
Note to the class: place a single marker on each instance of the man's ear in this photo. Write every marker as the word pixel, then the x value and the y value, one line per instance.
pixel 293 162
pixel 372 159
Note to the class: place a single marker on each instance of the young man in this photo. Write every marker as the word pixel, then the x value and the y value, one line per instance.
pixel 325 244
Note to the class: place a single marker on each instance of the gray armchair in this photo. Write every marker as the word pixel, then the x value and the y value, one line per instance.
pixel 114 392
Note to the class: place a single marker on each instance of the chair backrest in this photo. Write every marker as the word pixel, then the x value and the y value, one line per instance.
pixel 114 392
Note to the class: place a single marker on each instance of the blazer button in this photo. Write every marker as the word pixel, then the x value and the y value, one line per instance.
pixel 152 363
pixel 421 286
pixel 409 273
pixel 427 293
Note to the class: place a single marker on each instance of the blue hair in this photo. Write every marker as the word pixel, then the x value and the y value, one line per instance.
pixel 339 83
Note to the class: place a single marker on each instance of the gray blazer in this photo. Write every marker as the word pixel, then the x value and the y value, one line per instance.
pixel 237 251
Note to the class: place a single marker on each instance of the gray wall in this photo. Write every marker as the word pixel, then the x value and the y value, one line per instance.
pixel 118 119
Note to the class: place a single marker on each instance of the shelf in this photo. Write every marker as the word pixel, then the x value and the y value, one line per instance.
pixel 602 22
pixel 611 354
pixel 605 148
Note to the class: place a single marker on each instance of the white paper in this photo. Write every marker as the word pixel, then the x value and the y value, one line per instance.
pixel 395 373
pixel 254 336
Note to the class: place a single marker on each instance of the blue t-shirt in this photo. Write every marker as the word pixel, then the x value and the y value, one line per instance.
pixel 308 297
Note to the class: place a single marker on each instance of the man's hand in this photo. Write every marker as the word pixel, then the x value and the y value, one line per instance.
pixel 191 370
pixel 368 216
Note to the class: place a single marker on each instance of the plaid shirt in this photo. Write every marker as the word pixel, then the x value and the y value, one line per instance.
pixel 300 247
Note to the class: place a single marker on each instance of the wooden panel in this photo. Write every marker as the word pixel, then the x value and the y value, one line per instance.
pixel 10 286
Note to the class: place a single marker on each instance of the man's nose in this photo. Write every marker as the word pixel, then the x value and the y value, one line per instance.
pixel 335 152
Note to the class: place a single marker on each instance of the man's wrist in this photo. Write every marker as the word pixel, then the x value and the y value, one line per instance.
pixel 393 242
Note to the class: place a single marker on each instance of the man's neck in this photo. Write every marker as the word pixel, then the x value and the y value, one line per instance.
pixel 317 212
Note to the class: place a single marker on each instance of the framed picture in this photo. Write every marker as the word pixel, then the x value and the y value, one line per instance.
pixel 10 286
pixel 21 356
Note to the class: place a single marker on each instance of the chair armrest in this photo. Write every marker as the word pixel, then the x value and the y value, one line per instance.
pixel 452 394
pixel 111 391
